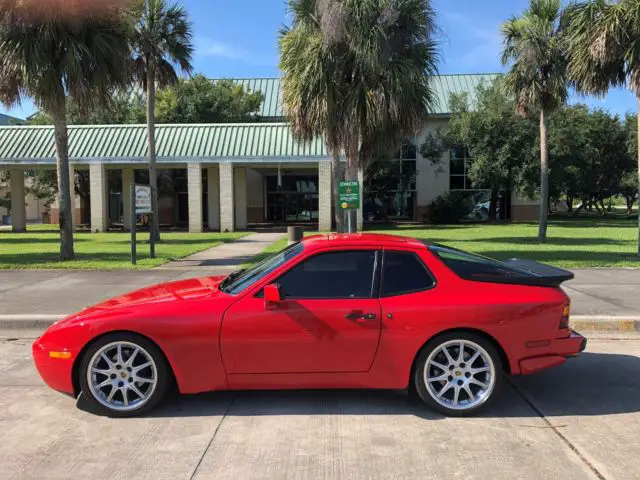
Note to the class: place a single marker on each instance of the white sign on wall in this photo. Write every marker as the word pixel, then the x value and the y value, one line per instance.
pixel 143 199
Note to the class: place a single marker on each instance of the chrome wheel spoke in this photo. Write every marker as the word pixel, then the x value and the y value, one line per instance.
pixel 143 380
pixel 441 378
pixel 125 397
pixel 444 389
pixel 474 371
pixel 141 367
pixel 113 391
pixel 480 384
pixel 438 365
pixel 129 362
pixel 461 352
pixel 119 358
pixel 473 358
pixel 105 383
pixel 100 371
pixel 448 355
pixel 456 394
pixel 106 359
pixel 136 390
pixel 468 391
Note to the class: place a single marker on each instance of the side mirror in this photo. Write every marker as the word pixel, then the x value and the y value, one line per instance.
pixel 272 294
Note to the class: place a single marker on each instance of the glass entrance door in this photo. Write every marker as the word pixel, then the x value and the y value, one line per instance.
pixel 295 200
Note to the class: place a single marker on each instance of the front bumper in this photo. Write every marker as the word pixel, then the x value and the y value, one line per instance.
pixel 56 372
pixel 558 352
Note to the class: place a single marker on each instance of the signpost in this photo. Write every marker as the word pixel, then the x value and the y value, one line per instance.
pixel 140 204
pixel 349 198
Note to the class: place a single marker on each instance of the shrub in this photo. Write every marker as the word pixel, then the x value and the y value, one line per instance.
pixel 447 208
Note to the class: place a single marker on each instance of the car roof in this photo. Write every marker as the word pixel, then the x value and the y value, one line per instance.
pixel 354 239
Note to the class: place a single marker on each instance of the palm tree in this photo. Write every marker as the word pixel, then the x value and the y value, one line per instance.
pixel 56 58
pixel 357 72
pixel 603 51
pixel 161 42
pixel 537 78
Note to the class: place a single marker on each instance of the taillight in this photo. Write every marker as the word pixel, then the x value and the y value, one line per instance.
pixel 564 321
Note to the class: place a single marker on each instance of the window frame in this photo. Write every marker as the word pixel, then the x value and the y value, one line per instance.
pixel 420 260
pixel 375 282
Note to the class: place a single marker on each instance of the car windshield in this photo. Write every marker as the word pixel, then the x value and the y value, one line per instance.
pixel 240 280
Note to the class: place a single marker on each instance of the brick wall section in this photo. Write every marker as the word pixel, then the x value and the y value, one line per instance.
pixel 227 217
pixel 194 189
pixel 325 195
pixel 98 192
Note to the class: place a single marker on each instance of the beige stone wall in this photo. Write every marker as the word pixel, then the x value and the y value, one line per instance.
pixel 34 207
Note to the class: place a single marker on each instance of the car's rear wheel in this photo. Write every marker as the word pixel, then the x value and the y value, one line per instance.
pixel 123 375
pixel 458 373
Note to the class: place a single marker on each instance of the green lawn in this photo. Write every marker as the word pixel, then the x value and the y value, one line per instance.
pixel 572 242
pixel 40 246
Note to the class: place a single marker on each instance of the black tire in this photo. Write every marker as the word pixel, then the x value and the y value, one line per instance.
pixel 162 372
pixel 427 395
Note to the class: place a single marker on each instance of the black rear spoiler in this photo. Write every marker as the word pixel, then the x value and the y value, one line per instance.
pixel 540 274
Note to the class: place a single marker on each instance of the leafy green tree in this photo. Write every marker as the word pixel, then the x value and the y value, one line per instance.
pixel 589 156
pixel 357 73
pixel 52 58
pixel 161 42
pixel 629 184
pixel 501 143
pixel 200 100
pixel 603 50
pixel 534 53
pixel 123 108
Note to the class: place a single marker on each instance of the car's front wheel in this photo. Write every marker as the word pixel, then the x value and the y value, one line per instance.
pixel 123 375
pixel 458 373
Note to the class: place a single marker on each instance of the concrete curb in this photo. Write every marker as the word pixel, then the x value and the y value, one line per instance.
pixel 581 323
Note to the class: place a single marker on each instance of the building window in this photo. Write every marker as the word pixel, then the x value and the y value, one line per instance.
pixel 459 161
pixel 390 187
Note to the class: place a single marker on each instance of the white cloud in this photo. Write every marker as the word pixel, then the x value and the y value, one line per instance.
pixel 206 47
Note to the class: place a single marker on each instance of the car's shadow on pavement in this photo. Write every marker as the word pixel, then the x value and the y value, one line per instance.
pixel 592 384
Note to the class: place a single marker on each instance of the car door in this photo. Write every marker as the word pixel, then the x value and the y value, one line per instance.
pixel 327 321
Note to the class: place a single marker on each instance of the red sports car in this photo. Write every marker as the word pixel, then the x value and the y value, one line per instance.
pixel 333 311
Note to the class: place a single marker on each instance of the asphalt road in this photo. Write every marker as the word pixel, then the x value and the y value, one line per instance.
pixel 580 421
pixel 594 291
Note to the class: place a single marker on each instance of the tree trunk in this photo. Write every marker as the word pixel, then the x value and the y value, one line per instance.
pixel 544 179
pixel 493 204
pixel 64 187
pixel 151 145
pixel 569 204
pixel 351 175
pixel 638 122
pixel 630 200
pixel 336 170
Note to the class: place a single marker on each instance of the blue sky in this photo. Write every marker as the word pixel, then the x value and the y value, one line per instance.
pixel 239 39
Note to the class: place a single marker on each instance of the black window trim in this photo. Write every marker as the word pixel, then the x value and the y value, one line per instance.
pixel 375 283
pixel 410 292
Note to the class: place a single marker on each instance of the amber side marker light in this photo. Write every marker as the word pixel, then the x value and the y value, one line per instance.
pixel 564 321
pixel 63 355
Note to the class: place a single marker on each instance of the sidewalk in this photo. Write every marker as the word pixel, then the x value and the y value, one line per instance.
pixel 32 294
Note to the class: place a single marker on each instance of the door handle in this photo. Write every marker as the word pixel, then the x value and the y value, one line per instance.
pixel 360 316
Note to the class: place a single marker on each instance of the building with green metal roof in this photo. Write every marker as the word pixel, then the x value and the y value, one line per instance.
pixel 231 176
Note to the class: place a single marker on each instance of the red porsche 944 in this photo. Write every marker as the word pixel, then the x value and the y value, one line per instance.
pixel 333 311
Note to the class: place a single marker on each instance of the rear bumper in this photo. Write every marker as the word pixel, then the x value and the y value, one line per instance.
pixel 559 350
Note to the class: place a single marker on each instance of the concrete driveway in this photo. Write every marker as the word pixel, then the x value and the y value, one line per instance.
pixel 580 421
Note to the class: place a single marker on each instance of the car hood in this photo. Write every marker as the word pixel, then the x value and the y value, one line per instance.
pixel 177 291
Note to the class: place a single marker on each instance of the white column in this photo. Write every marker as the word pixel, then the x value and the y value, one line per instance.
pixel 99 199
pixel 74 199
pixel 194 190
pixel 18 205
pixel 128 178
pixel 227 209
pixel 325 195
pixel 213 197
pixel 240 197
pixel 360 217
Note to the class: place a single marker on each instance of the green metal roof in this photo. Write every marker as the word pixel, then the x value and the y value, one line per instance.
pixel 127 143
pixel 443 85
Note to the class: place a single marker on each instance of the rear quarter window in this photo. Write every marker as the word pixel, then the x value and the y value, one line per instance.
pixel 470 266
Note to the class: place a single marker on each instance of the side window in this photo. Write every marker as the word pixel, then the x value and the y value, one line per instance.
pixel 403 273
pixel 331 275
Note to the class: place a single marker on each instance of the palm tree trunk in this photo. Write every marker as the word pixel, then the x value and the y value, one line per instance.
pixel 544 179
pixel 151 143
pixel 64 188
pixel 336 170
pixel 638 122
